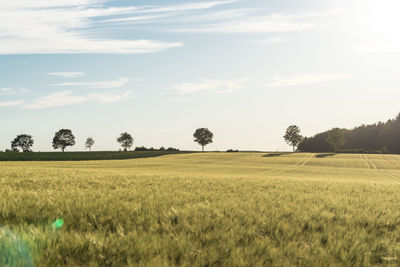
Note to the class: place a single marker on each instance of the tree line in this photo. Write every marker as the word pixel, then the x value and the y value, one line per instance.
pixel 64 138
pixel 380 137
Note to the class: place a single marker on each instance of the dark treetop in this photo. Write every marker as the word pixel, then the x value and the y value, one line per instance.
pixel 203 137
pixel 23 141
pixel 63 138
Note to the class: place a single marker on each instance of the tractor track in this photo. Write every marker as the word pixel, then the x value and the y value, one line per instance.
pixel 372 166
pixel 301 163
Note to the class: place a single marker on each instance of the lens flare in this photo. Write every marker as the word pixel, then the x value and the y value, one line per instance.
pixel 58 223
pixel 14 251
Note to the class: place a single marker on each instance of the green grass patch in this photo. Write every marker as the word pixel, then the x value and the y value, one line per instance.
pixel 80 156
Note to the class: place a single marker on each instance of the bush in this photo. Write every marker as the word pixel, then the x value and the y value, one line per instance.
pixel 231 150
pixel 384 150
pixel 172 149
pixel 359 151
pixel 14 150
pixel 141 148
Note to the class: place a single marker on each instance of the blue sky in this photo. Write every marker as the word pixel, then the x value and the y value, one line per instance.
pixel 246 69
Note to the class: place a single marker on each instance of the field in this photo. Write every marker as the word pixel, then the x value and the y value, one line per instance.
pixel 231 209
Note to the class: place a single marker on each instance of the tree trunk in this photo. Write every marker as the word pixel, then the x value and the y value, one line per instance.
pixel 202 148
pixel 63 149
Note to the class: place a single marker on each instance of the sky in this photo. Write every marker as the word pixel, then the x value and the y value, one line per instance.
pixel 245 69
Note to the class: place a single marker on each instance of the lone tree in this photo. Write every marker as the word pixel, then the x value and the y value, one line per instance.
pixel 89 143
pixel 336 138
pixel 126 141
pixel 203 136
pixel 63 138
pixel 292 136
pixel 24 141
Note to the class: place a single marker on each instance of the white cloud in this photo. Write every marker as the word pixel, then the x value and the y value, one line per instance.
pixel 12 91
pixel 11 103
pixel 179 17
pixel 139 18
pixel 48 3
pixel 188 7
pixel 255 24
pixel 57 99
pixel 304 79
pixel 184 19
pixel 212 86
pixel 66 98
pixel 272 40
pixel 110 97
pixel 67 74
pixel 96 85
pixel 80 26
pixel 61 26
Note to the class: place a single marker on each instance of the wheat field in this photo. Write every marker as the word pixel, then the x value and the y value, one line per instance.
pixel 204 209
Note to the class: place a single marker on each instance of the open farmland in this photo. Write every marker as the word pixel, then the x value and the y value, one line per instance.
pixel 233 209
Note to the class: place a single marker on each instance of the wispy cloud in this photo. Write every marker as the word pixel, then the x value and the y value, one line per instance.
pixel 57 99
pixel 67 74
pixel 271 40
pixel 95 85
pixel 66 98
pixel 187 7
pixel 254 24
pixel 79 26
pixel 211 86
pixel 195 18
pixel 14 91
pixel 11 103
pixel 304 79
pixel 60 26
pixel 110 97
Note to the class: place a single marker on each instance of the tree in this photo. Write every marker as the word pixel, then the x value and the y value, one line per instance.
pixel 292 136
pixel 89 143
pixel 126 141
pixel 203 137
pixel 63 138
pixel 336 138
pixel 24 141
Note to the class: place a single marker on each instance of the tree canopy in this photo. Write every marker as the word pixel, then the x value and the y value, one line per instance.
pixel 126 141
pixel 89 143
pixel 383 137
pixel 63 138
pixel 292 136
pixel 336 138
pixel 203 137
pixel 23 141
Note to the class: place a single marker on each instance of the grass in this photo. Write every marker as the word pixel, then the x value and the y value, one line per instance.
pixel 231 209
pixel 81 156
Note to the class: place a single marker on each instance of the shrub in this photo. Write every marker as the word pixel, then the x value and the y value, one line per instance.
pixel 14 150
pixel 141 148
pixel 172 149
pixel 359 151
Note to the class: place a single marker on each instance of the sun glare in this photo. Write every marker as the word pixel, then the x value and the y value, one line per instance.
pixel 382 17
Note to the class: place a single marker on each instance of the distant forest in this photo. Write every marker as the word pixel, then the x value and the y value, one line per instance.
pixel 381 137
